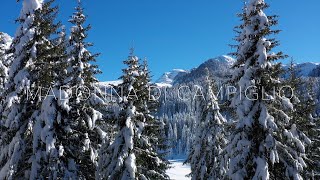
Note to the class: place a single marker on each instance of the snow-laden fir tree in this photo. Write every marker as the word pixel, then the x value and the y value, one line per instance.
pixel 69 115
pixel 261 143
pixel 33 52
pixel 206 156
pixel 118 160
pixel 5 58
pixel 312 129
pixel 50 161
pixel 134 152
pixel 87 103
pixel 304 117
pixel 150 145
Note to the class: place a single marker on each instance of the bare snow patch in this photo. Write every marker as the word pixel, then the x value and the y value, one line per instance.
pixel 178 170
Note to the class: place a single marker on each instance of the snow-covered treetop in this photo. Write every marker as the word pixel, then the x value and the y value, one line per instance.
pixel 255 33
pixel 5 40
pixel 29 6
pixel 253 3
pixel 257 5
pixel 81 69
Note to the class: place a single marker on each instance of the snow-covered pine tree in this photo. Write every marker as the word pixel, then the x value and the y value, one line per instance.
pixel 312 129
pixel 169 136
pixel 33 52
pixel 68 119
pixel 261 143
pixel 70 115
pixel 134 152
pixel 150 146
pixel 49 149
pixel 206 156
pixel 303 117
pixel 118 159
pixel 5 58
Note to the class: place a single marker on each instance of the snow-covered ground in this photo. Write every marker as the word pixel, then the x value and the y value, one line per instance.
pixel 178 170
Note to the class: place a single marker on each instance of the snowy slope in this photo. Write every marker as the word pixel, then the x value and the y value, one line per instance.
pixel 178 170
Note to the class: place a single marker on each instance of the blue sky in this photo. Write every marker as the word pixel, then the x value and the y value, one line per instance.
pixel 179 33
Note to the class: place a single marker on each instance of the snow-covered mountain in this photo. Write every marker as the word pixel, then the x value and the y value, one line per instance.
pixel 305 68
pixel 168 78
pixel 217 67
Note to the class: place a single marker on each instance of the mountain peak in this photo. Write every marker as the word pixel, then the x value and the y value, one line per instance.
pixel 218 64
pixel 168 77
pixel 226 59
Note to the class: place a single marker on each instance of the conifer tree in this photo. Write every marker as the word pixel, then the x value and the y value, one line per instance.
pixel 55 138
pixel 150 145
pixel 33 52
pixel 5 59
pixel 312 130
pixel 87 104
pixel 303 117
pixel 48 148
pixel 207 153
pixel 134 152
pixel 69 115
pixel 261 143
pixel 118 159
